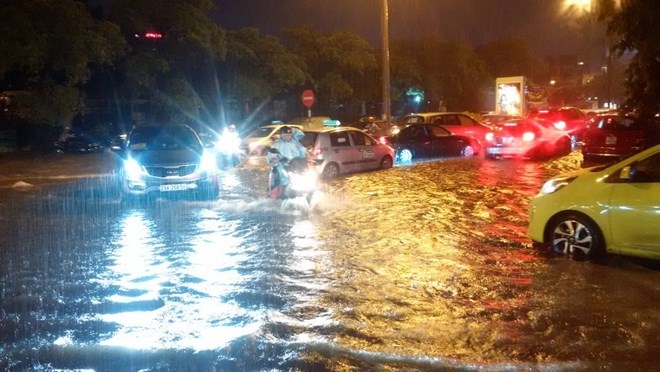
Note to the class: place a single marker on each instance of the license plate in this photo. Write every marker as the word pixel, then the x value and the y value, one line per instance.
pixel 493 150
pixel 610 140
pixel 173 187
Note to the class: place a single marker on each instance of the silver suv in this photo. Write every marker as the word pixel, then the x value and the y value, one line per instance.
pixel 167 158
pixel 337 150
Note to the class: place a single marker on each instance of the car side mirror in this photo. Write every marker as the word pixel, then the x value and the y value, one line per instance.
pixel 625 173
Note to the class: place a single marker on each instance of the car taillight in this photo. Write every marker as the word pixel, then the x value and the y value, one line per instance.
pixel 490 136
pixel 528 136
pixel 317 151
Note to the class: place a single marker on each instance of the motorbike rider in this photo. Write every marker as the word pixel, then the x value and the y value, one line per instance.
pixel 65 135
pixel 289 147
pixel 371 127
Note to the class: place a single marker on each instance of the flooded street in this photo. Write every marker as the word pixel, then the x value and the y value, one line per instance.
pixel 420 267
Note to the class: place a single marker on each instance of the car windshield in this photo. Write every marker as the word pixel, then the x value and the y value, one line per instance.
pixel 261 132
pixel 163 138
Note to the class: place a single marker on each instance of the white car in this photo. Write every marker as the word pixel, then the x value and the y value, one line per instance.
pixel 259 140
pixel 336 150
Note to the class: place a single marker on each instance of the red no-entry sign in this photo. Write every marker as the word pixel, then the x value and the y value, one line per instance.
pixel 307 97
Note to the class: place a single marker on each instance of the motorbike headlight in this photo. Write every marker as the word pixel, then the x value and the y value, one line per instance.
pixel 555 184
pixel 133 169
pixel 208 162
pixel 304 181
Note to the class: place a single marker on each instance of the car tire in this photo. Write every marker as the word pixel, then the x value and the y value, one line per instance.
pixel 467 151
pixel 331 170
pixel 576 235
pixel 386 162
pixel 405 155
pixel 564 147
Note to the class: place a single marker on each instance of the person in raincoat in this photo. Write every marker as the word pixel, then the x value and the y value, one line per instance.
pixel 289 147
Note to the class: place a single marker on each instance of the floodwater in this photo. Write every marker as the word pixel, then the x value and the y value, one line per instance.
pixel 420 267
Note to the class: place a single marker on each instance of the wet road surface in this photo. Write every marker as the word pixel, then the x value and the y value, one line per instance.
pixel 420 267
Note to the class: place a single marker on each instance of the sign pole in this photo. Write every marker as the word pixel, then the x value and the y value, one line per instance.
pixel 307 98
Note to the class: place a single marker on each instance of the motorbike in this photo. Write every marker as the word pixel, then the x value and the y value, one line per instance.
pixel 229 151
pixel 301 175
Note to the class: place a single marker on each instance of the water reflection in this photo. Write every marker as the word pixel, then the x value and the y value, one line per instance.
pixel 199 278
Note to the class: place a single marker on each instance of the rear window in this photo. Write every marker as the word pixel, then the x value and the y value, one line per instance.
pixel 310 139
pixel 618 124
pixel 339 139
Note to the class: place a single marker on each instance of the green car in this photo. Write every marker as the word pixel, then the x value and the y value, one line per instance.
pixel 613 208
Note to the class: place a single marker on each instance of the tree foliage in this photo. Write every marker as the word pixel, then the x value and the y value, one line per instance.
pixel 445 71
pixel 635 28
pixel 512 57
pixel 171 72
pixel 48 50
pixel 258 67
pixel 336 62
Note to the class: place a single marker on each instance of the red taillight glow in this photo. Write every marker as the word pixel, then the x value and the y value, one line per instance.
pixel 317 151
pixel 528 136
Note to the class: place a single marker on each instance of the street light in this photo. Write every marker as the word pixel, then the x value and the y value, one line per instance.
pixel 384 24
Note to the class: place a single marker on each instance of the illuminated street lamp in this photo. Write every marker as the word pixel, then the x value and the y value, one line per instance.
pixel 386 61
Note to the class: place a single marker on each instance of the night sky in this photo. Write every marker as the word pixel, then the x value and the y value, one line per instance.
pixel 474 22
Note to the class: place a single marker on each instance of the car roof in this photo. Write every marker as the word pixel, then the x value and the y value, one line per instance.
pixel 330 129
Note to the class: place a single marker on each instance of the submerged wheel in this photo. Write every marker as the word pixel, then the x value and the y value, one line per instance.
pixel 467 151
pixel 405 155
pixel 331 170
pixel 576 235
pixel 386 162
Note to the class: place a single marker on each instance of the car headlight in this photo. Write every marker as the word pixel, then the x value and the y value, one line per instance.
pixel 208 162
pixel 133 169
pixel 554 185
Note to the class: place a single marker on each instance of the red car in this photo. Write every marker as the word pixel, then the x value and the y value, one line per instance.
pixel 526 138
pixel 569 119
pixel 612 136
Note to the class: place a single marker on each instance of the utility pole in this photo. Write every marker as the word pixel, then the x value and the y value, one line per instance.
pixel 384 24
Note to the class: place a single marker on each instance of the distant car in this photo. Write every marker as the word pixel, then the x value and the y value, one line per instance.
pixel 80 144
pixel 309 122
pixel 384 129
pixel 612 136
pixel 259 140
pixel 167 158
pixel 570 119
pixel 526 138
pixel 423 141
pixel 491 120
pixel 336 150
pixel 456 122
pixel 604 209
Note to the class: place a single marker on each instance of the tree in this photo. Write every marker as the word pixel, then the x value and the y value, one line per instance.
pixel 634 29
pixel 48 50
pixel 258 68
pixel 512 57
pixel 445 71
pixel 174 48
pixel 337 62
